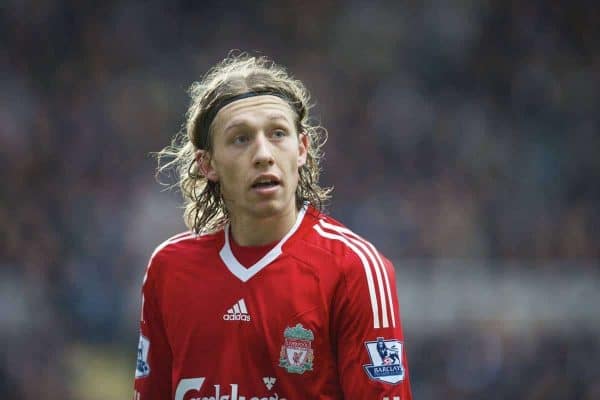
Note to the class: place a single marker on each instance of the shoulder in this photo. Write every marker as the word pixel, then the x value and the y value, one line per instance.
pixel 340 246
pixel 174 243
pixel 179 246
pixel 368 278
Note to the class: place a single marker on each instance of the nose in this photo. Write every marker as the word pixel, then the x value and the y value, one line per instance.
pixel 263 154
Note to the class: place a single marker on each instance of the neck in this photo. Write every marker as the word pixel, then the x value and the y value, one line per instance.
pixel 256 231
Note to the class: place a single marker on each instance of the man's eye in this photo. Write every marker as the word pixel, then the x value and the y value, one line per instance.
pixel 279 133
pixel 240 139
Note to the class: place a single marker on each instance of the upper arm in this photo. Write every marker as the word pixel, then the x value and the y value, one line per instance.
pixel 154 358
pixel 370 342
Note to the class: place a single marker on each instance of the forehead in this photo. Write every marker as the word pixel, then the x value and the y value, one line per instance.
pixel 253 109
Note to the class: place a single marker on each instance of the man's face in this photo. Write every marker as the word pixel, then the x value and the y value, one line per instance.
pixel 256 155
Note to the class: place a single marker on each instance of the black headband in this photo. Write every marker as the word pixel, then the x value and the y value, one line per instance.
pixel 208 117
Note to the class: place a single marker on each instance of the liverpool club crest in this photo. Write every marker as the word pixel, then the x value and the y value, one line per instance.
pixel 296 353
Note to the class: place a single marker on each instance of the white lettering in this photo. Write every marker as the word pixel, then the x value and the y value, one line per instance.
pixel 195 384
pixel 381 370
pixel 236 317
pixel 186 385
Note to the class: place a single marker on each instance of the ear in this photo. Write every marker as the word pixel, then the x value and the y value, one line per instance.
pixel 204 161
pixel 303 144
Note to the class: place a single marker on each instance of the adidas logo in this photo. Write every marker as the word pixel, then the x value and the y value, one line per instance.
pixel 238 312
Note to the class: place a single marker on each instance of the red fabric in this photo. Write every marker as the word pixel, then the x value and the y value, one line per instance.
pixel 207 333
pixel 248 255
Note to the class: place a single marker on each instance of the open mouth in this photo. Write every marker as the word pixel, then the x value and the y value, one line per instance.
pixel 265 183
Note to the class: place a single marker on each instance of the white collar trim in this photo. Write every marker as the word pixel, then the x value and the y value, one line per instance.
pixel 243 273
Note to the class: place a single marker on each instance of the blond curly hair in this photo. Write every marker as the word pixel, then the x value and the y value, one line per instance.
pixel 204 208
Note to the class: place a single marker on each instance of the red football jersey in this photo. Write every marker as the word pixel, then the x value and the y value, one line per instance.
pixel 316 318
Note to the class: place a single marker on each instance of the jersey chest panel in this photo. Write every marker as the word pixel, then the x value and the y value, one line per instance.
pixel 232 332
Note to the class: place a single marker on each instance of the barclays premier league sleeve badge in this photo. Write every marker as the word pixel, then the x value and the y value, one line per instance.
pixel 142 368
pixel 296 353
pixel 386 361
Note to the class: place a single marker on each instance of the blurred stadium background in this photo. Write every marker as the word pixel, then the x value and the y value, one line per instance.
pixel 464 141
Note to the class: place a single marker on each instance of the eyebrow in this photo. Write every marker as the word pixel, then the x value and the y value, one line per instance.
pixel 243 123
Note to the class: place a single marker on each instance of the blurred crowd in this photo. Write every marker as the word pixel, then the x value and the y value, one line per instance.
pixel 480 363
pixel 456 130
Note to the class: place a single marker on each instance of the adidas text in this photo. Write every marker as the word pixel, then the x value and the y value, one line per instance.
pixel 236 317
pixel 238 312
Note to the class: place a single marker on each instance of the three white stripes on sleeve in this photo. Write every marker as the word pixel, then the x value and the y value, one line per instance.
pixel 380 294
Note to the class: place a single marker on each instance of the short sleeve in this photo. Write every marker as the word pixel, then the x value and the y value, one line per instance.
pixel 154 357
pixel 371 352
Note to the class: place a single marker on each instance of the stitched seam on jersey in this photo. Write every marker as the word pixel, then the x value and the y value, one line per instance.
pixel 326 304
pixel 378 264
pixel 376 267
pixel 159 315
pixel 368 273
pixel 298 315
pixel 172 240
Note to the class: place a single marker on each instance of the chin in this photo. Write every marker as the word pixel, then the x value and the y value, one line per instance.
pixel 267 210
pixel 270 209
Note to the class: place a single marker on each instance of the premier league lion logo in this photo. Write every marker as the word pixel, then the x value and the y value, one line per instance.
pixel 142 367
pixel 386 360
pixel 389 355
